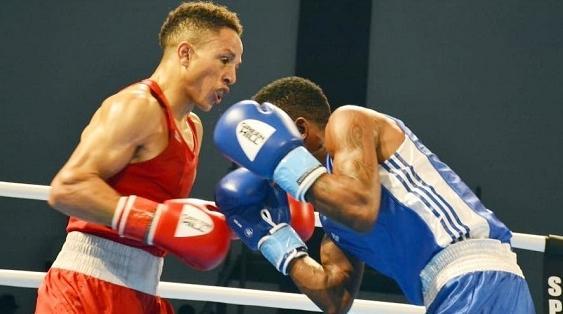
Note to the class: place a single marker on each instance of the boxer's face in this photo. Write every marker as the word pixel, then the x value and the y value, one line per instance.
pixel 212 68
pixel 313 137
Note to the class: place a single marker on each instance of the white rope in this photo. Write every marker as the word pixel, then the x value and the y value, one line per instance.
pixel 21 190
pixel 530 242
pixel 173 290
pixel 524 241
pixel 41 192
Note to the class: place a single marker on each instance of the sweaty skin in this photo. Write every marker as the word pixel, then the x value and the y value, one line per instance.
pixel 357 139
pixel 130 126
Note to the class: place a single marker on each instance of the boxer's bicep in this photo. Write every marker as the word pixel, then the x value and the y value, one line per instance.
pixel 351 141
pixel 109 140
pixel 107 145
pixel 351 193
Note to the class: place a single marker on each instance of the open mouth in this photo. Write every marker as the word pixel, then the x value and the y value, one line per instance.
pixel 219 95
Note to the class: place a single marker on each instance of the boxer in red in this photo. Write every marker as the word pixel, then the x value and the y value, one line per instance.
pixel 138 153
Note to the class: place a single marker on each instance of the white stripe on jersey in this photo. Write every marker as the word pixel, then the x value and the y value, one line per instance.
pixel 429 195
pixel 413 184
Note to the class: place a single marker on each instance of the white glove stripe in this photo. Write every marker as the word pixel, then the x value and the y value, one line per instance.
pixel 118 211
pixel 154 223
pixel 131 199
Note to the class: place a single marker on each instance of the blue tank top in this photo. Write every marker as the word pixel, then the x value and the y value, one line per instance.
pixel 424 207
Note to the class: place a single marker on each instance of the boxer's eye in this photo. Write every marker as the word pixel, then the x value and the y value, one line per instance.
pixel 226 59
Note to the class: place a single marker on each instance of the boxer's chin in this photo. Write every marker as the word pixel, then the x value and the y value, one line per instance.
pixel 207 106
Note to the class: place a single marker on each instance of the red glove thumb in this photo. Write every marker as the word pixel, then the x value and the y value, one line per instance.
pixel 302 217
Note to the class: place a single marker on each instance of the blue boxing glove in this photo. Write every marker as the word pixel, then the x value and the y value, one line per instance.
pixel 264 139
pixel 241 196
pixel 258 213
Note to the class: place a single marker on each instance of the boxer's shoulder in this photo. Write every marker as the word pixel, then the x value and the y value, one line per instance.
pixel 136 99
pixel 130 114
pixel 133 104
pixel 353 126
pixel 354 116
pixel 352 122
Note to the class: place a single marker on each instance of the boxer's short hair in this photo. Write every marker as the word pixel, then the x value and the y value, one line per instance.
pixel 298 97
pixel 191 20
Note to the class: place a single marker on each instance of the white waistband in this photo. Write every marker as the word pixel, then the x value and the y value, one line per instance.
pixel 465 257
pixel 110 261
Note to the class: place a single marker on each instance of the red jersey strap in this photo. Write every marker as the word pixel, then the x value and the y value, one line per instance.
pixel 159 95
pixel 191 124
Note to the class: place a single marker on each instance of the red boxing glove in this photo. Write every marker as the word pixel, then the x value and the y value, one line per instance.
pixel 302 217
pixel 191 229
pixel 211 206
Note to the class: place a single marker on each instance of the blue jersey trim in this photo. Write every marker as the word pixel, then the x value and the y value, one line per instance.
pixel 449 213
pixel 497 229
pixel 422 199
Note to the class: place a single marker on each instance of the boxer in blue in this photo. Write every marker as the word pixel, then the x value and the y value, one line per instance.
pixel 385 200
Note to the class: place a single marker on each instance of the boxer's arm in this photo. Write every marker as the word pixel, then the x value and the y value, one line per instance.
pixel 351 194
pixel 334 283
pixel 115 134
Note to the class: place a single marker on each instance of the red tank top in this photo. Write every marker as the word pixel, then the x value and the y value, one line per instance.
pixel 169 175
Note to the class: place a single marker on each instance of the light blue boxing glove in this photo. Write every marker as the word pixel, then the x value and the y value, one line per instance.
pixel 282 246
pixel 264 139
pixel 258 213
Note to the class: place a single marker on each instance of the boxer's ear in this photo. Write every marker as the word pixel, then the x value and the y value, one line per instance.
pixel 302 126
pixel 185 51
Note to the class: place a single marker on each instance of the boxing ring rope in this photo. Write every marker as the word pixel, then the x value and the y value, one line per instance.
pixel 22 190
pixel 238 296
pixel 41 192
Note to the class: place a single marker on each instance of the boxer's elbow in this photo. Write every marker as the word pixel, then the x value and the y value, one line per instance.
pixel 59 193
pixel 345 305
pixel 333 302
pixel 341 306
pixel 364 221
pixel 64 189
pixel 335 310
pixel 364 213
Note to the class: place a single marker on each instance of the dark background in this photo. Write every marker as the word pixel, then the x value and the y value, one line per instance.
pixel 478 81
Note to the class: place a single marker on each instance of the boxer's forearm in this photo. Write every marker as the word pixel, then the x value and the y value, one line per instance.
pixel 84 196
pixel 345 200
pixel 326 289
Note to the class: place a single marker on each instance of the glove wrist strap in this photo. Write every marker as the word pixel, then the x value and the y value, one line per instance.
pixel 297 171
pixel 282 246
pixel 133 217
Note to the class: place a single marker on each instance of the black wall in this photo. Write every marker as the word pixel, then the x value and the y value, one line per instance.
pixel 333 48
pixel 478 81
